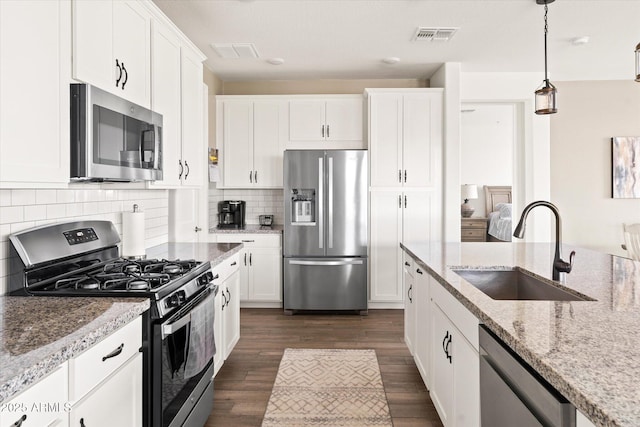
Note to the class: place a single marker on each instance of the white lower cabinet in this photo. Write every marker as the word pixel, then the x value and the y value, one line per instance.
pixel 42 404
pixel 260 268
pixel 422 342
pixel 226 326
pixel 409 303
pixel 123 392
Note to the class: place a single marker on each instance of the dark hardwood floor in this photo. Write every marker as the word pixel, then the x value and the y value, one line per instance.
pixel 243 385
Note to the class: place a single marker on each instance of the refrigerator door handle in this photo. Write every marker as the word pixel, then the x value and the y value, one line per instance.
pixel 348 262
pixel 330 203
pixel 320 203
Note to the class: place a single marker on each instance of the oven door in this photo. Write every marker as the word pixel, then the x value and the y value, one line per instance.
pixel 183 382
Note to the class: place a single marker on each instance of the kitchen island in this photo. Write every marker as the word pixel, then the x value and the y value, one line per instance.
pixel 588 350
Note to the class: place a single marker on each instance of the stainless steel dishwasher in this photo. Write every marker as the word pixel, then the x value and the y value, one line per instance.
pixel 513 394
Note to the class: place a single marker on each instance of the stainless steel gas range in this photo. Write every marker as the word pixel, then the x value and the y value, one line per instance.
pixel 82 259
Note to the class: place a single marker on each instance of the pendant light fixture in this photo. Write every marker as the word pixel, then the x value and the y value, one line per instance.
pixel 638 63
pixel 546 94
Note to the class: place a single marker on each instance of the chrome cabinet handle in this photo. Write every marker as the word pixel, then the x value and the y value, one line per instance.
pixel 181 169
pixel 114 353
pixel 186 165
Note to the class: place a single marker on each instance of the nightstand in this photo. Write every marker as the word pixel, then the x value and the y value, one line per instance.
pixel 473 229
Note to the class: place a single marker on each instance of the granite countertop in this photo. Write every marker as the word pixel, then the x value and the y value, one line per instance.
pixel 250 229
pixel 588 350
pixel 37 334
pixel 214 252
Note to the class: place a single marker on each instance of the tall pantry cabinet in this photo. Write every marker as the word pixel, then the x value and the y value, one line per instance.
pixel 405 148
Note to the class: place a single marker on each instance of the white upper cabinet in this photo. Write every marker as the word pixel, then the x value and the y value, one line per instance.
pixel 252 133
pixel 177 94
pixel 326 122
pixel 35 53
pixel 405 137
pixel 111 47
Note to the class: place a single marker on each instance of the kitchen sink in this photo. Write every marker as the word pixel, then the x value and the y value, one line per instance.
pixel 516 284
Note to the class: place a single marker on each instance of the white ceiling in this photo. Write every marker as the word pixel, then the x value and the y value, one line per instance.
pixel 347 39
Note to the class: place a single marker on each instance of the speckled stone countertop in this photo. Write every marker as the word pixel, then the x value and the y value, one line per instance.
pixel 214 252
pixel 588 350
pixel 37 334
pixel 250 229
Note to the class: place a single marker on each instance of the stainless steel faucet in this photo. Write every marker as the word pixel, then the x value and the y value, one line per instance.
pixel 559 265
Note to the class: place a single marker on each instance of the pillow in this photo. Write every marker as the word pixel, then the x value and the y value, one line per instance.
pixel 504 209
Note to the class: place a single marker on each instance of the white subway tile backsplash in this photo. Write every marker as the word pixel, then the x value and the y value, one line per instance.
pixel 35 212
pixel 65 196
pixel 72 209
pixel 5 197
pixel 44 197
pixel 23 197
pixel 56 211
pixel 11 214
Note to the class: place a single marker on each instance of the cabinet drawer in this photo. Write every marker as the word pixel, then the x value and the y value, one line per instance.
pixel 475 232
pixel 459 315
pixel 94 365
pixel 42 403
pixel 252 240
pixel 226 268
pixel 474 223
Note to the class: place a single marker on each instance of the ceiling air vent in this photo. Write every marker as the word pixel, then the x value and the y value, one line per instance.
pixel 434 34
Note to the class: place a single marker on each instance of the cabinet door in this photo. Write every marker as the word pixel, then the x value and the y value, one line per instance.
pixel 93 60
pixel 232 312
pixel 385 139
pixel 419 217
pixel 385 254
pixel 422 139
pixel 268 143
pixel 34 118
pixel 409 304
pixel 344 119
pixel 166 101
pixel 237 154
pixel 307 120
pixel 442 386
pixel 218 332
pixel 122 390
pixel 244 274
pixel 132 49
pixel 422 344
pixel 466 383
pixel 193 144
pixel 265 274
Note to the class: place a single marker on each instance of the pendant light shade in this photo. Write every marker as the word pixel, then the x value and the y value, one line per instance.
pixel 638 63
pixel 546 95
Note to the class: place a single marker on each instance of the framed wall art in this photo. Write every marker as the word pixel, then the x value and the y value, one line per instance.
pixel 626 167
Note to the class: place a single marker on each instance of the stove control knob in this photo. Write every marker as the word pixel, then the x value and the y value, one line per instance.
pixel 173 301
pixel 182 297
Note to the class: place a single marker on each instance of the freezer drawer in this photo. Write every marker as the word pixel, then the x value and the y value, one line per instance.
pixel 325 283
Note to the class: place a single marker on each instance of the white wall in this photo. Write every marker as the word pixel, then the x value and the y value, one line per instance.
pixel 589 114
pixel 486 148
pixel 532 153
pixel 22 209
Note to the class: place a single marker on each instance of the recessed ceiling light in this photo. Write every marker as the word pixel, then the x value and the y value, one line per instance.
pixel 275 61
pixel 579 41
pixel 391 60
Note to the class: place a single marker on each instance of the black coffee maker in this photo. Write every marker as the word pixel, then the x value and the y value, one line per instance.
pixel 231 214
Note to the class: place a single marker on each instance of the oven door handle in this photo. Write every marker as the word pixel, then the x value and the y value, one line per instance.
pixel 171 328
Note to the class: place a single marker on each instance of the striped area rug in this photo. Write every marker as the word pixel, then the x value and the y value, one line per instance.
pixel 328 388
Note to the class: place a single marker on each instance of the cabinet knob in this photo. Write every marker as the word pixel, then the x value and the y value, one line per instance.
pixel 196 229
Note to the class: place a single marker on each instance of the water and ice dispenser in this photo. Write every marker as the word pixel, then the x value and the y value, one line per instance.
pixel 303 206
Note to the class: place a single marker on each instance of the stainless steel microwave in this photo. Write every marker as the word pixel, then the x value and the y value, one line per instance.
pixel 113 139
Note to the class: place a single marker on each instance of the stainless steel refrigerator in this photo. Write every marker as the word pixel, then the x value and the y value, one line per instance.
pixel 325 233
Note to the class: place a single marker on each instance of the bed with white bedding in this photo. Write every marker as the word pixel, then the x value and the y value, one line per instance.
pixel 498 207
